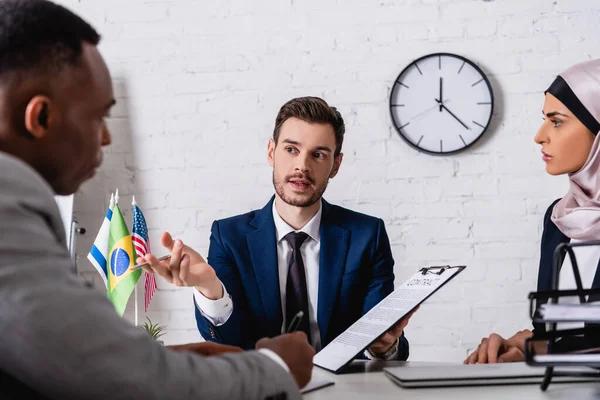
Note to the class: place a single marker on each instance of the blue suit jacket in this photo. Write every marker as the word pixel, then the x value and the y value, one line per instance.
pixel 355 273
pixel 551 238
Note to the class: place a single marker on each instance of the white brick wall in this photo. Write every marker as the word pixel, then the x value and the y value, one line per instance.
pixel 199 85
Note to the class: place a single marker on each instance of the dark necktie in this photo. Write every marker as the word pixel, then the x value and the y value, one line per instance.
pixel 296 295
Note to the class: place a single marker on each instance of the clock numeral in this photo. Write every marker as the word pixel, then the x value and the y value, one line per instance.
pixel 404 125
pixel 484 102
pixel 478 124
pixel 402 84
pixel 397 105
pixel 463 140
pixel 479 81
pixel 461 67
pixel 441 146
pixel 419 142
pixel 439 62
pixel 418 69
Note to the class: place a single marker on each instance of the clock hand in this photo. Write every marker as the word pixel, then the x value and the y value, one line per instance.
pixel 441 103
pixel 441 94
pixel 415 117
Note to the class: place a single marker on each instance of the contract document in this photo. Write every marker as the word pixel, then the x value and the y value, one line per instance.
pixel 360 335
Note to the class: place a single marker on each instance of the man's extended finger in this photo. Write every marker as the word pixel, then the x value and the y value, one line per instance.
pixel 166 240
pixel 174 263
pixel 157 267
pixel 148 270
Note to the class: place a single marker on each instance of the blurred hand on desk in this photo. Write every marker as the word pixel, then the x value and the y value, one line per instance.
pixel 294 350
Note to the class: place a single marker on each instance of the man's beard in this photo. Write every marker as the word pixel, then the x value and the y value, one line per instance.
pixel 280 190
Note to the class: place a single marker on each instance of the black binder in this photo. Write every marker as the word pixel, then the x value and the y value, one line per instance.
pixel 581 340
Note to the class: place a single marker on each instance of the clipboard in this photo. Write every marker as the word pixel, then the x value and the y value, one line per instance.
pixel 413 292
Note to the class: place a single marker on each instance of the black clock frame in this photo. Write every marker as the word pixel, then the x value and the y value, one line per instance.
pixel 397 82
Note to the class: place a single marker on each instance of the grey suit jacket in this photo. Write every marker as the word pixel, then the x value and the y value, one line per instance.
pixel 62 339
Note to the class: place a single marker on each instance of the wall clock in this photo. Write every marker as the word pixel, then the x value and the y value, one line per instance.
pixel 441 103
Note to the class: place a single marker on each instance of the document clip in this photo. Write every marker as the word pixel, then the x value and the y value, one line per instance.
pixel 436 270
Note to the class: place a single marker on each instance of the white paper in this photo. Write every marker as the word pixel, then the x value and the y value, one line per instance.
pixel 580 359
pixel 380 318
pixel 570 312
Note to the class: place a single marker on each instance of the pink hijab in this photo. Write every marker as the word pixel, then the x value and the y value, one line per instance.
pixel 577 214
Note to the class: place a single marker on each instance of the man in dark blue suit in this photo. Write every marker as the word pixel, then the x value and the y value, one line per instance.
pixel 299 255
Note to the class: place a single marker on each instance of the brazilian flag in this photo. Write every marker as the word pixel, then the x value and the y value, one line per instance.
pixel 121 256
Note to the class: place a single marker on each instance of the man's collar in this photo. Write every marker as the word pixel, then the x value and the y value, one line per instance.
pixel 312 228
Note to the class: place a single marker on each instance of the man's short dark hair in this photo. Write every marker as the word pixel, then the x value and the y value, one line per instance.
pixel 314 110
pixel 40 36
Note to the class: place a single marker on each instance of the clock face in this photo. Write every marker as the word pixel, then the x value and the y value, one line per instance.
pixel 441 103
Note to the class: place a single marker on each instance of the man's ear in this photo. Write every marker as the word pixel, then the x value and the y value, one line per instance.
pixel 38 116
pixel 271 152
pixel 336 165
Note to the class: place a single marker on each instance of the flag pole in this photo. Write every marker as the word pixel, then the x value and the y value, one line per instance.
pixel 135 304
pixel 135 288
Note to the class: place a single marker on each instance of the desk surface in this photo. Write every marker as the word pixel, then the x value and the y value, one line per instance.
pixel 367 378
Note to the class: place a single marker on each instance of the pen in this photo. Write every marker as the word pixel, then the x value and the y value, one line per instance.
pixel 295 322
pixel 136 267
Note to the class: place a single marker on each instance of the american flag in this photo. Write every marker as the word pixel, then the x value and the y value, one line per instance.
pixel 141 243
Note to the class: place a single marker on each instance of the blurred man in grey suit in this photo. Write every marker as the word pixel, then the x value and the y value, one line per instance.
pixel 60 338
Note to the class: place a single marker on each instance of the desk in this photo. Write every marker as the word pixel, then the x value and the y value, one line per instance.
pixel 366 379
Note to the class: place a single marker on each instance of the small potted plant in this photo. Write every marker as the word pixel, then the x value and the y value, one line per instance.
pixel 154 330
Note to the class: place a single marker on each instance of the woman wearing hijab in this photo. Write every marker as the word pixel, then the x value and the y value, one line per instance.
pixel 570 145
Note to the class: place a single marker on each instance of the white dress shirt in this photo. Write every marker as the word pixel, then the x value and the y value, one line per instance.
pixel 587 260
pixel 219 311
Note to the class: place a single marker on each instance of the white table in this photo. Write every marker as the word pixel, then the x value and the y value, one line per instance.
pixel 366 379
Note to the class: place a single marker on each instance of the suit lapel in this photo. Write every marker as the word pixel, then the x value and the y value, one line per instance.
pixel 262 246
pixel 332 260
